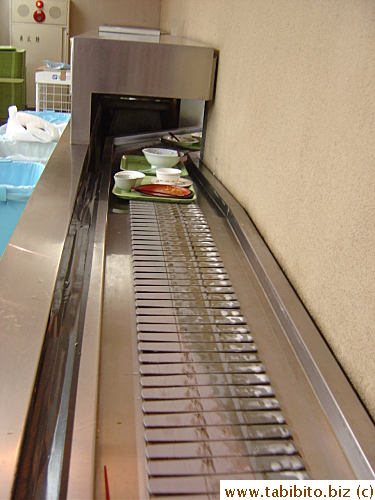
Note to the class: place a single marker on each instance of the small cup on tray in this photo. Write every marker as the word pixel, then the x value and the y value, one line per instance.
pixel 168 175
pixel 127 179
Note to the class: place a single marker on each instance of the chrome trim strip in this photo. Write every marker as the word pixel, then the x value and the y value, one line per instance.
pixel 82 460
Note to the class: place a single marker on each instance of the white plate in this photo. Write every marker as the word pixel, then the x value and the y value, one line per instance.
pixel 196 135
pixel 180 183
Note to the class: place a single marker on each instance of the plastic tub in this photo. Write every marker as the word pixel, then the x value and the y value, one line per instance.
pixel 17 182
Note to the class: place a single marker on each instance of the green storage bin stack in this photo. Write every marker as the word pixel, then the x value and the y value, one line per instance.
pixel 12 79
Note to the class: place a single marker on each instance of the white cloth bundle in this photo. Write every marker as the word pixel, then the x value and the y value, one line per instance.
pixel 23 126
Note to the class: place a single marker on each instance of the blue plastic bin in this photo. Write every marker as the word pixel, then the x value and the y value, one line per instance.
pixel 17 182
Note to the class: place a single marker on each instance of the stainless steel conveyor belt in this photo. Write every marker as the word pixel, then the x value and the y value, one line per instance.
pixel 209 408
pixel 212 351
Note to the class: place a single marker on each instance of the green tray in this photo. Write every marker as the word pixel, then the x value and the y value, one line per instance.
pixel 139 163
pixel 181 143
pixel 135 195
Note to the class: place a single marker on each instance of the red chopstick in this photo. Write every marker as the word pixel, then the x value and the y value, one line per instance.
pixel 107 497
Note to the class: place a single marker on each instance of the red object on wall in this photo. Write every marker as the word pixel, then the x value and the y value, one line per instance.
pixel 39 16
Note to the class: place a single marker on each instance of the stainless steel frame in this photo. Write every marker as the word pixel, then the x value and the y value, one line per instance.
pixel 334 433
pixel 173 68
pixel 81 482
pixel 28 272
pixel 351 423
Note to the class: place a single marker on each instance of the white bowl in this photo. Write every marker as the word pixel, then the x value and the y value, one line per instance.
pixel 126 179
pixel 160 157
pixel 168 175
pixel 139 177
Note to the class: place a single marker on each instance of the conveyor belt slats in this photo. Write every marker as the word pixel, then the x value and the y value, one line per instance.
pixel 210 411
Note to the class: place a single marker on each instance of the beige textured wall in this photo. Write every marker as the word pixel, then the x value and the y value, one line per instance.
pixel 86 15
pixel 292 135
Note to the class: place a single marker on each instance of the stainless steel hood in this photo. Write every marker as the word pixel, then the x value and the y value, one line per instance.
pixel 173 68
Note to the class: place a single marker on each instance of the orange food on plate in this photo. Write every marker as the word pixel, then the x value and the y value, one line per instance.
pixel 163 190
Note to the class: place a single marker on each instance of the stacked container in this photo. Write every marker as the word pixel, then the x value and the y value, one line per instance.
pixel 21 165
pixel 12 79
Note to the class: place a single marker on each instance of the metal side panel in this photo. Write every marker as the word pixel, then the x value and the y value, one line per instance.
pixel 82 458
pixel 119 444
pixel 28 271
pixel 350 422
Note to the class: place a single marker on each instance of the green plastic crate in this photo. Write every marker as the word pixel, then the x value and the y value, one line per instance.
pixel 12 92
pixel 12 63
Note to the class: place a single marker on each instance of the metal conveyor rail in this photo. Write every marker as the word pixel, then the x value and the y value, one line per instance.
pixel 209 407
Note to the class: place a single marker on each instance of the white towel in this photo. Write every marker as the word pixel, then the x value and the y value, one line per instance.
pixel 30 128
